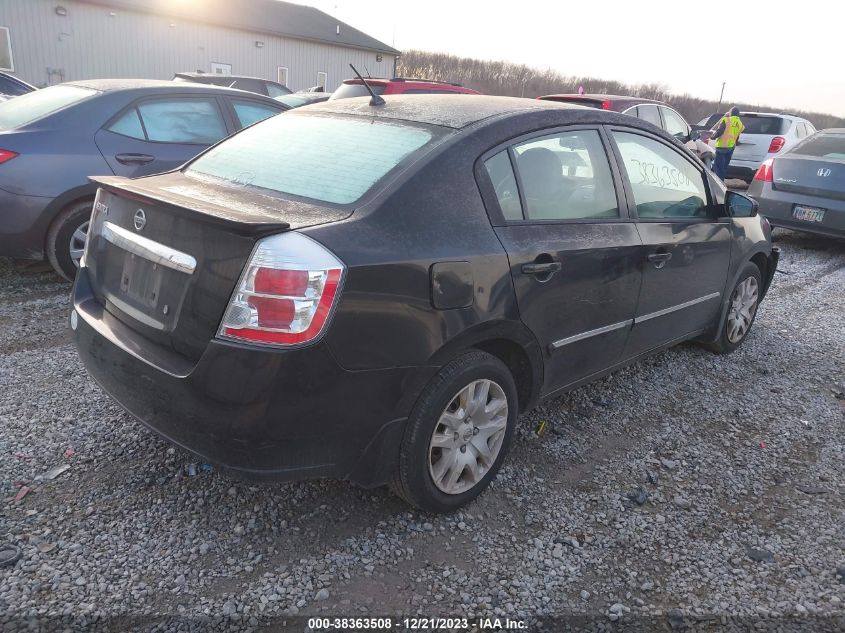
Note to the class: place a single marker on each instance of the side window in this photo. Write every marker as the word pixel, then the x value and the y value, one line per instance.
pixel 250 112
pixel 810 128
pixel 566 176
pixel 184 120
pixel 649 113
pixel 675 125
pixel 129 125
pixel 504 182
pixel 632 112
pixel 665 185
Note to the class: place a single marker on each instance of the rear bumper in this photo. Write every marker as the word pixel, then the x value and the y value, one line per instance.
pixel 777 208
pixel 743 169
pixel 262 414
pixel 23 221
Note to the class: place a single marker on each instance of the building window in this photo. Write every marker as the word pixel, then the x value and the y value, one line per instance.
pixel 6 62
pixel 221 69
pixel 322 79
pixel 283 75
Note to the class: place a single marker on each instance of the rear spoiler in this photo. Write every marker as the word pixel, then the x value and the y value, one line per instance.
pixel 213 203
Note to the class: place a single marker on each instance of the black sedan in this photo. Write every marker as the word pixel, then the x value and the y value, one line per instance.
pixel 52 140
pixel 375 292
pixel 805 188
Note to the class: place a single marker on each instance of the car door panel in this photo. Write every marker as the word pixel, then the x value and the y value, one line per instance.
pixel 572 254
pixel 581 313
pixel 686 247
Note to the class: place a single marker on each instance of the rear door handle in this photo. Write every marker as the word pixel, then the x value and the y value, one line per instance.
pixel 134 159
pixel 659 259
pixel 544 268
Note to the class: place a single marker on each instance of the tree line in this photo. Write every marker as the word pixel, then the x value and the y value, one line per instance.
pixel 519 80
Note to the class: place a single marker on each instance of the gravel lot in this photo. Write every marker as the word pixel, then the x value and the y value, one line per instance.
pixel 687 489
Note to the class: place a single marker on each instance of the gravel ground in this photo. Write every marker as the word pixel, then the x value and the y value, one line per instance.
pixel 689 489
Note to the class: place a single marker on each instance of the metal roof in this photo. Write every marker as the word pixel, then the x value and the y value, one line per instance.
pixel 263 16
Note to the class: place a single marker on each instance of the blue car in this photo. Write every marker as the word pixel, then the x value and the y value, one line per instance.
pixel 52 140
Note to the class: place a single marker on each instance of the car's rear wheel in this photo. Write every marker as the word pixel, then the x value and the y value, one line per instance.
pixel 67 236
pixel 742 310
pixel 458 434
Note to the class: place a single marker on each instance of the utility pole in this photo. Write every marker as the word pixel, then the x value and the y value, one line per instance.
pixel 721 95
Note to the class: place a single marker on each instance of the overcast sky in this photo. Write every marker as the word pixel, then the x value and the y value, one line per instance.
pixel 787 54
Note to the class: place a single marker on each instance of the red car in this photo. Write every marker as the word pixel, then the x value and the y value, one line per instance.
pixel 398 85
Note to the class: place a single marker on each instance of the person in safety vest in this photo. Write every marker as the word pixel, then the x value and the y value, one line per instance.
pixel 727 135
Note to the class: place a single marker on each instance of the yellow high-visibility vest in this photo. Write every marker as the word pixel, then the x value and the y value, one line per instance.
pixel 733 128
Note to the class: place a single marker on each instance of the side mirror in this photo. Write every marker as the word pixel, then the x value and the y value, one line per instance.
pixel 694 135
pixel 740 206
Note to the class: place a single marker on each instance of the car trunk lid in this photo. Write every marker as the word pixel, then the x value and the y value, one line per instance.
pixel 810 175
pixel 165 252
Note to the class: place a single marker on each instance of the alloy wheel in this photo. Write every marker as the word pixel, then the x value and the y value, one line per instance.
pixel 77 243
pixel 468 437
pixel 742 309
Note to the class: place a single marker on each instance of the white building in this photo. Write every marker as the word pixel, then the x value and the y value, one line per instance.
pixel 50 41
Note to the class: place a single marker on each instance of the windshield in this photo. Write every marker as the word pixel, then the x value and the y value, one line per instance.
pixel 36 105
pixel 355 90
pixel 823 146
pixel 330 159
pixel 764 124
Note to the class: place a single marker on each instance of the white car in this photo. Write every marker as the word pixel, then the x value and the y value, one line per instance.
pixel 766 135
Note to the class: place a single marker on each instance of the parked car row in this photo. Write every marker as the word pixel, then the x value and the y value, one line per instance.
pixel 373 290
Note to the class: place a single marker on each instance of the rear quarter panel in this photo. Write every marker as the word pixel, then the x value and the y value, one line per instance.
pixel 386 317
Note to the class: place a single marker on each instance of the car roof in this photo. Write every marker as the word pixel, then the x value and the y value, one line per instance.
pixel 154 85
pixel 217 76
pixel 600 96
pixel 833 130
pixel 446 110
pixel 400 80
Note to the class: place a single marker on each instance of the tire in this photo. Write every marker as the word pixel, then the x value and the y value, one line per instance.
pixel 64 235
pixel 730 336
pixel 444 414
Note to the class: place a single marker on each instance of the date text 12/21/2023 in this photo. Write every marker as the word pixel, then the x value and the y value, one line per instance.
pixel 450 624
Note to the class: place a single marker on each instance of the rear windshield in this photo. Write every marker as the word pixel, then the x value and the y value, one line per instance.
pixel 823 146
pixel 355 90
pixel 329 159
pixel 36 105
pixel 764 124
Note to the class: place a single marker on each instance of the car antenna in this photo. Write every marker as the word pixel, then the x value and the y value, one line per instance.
pixel 376 100
pixel 369 76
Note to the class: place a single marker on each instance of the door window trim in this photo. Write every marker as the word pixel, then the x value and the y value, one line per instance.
pixel 712 206
pixel 491 202
pixel 228 122
pixel 233 113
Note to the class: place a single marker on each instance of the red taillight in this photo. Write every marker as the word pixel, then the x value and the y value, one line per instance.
pixel 6 155
pixel 605 105
pixel 765 172
pixel 286 293
pixel 281 282
pixel 777 144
